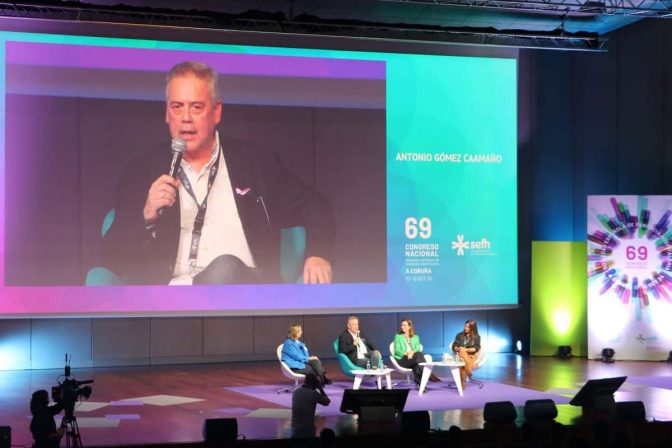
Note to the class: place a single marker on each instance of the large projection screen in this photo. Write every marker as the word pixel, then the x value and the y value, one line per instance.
pixel 415 156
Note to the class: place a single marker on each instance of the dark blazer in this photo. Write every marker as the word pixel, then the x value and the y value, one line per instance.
pixel 276 199
pixel 346 345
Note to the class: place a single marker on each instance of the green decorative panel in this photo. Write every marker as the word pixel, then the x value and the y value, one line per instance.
pixel 559 301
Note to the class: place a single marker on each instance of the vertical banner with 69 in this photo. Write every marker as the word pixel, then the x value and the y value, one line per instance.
pixel 630 276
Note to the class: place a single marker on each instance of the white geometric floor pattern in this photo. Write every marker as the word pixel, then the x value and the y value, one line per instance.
pixel 270 413
pixel 92 422
pixel 164 400
pixel 88 406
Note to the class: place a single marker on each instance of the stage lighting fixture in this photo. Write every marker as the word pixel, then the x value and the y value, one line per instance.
pixel 519 346
pixel 607 355
pixel 564 352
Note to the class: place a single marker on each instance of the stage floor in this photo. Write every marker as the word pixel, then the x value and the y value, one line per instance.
pixel 162 404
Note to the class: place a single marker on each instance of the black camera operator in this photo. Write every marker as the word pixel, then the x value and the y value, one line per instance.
pixel 43 425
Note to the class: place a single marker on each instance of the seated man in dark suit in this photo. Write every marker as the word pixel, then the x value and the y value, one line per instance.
pixel 355 346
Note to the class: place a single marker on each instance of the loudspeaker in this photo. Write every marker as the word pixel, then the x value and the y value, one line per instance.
pixel 415 422
pixel 5 436
pixel 540 410
pixel 220 430
pixel 630 411
pixel 499 411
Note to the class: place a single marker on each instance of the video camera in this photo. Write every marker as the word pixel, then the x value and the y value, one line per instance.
pixel 69 391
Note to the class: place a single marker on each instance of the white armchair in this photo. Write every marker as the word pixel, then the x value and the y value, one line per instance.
pixel 287 372
pixel 405 371
pixel 481 358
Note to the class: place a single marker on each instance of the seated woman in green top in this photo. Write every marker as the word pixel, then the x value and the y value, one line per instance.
pixel 407 351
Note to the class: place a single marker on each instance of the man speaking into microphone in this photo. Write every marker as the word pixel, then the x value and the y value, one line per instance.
pixel 217 218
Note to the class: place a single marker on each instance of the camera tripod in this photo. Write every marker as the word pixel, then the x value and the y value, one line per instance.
pixel 72 437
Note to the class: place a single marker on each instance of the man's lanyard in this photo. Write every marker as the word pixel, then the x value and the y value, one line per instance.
pixel 202 208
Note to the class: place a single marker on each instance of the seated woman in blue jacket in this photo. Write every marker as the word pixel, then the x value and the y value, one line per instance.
pixel 295 355
pixel 407 351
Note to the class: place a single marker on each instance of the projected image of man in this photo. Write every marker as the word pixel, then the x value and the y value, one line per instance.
pixel 218 220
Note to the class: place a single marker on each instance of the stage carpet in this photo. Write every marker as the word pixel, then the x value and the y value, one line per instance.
pixel 664 382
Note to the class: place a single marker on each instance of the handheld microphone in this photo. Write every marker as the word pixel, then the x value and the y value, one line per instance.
pixel 177 148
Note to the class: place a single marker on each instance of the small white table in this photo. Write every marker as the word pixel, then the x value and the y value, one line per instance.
pixel 378 373
pixel 454 369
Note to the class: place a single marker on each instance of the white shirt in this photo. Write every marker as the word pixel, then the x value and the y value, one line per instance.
pixel 408 343
pixel 361 347
pixel 222 229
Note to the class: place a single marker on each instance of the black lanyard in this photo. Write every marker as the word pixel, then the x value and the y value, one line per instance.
pixel 202 208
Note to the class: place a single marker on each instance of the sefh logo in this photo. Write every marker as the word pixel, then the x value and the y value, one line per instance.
pixel 480 247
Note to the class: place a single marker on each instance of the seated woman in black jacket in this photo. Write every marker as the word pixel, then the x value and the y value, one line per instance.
pixel 467 344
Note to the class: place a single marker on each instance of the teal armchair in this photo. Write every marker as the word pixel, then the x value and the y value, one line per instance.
pixel 99 275
pixel 292 252
pixel 344 362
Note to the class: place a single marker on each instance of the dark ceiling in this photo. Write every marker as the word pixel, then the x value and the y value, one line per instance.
pixel 561 24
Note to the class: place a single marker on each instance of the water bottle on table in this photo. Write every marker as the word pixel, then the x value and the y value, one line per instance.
pixel 368 364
